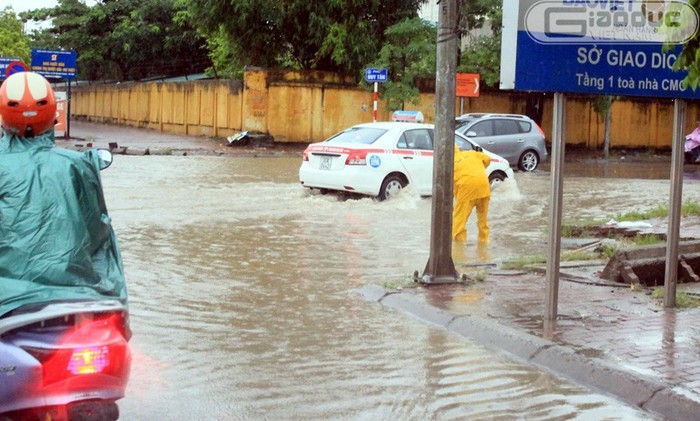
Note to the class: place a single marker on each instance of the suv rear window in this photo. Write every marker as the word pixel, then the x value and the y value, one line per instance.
pixel 524 126
pixel 359 135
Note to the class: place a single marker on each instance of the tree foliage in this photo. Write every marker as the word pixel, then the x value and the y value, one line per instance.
pixel 409 52
pixel 689 57
pixel 482 54
pixel 475 13
pixel 122 39
pixel 137 39
pixel 331 35
pixel 13 42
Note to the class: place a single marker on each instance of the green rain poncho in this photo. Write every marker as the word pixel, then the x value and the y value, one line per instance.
pixel 56 241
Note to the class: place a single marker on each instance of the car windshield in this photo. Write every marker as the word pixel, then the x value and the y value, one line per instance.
pixel 462 123
pixel 462 143
pixel 360 135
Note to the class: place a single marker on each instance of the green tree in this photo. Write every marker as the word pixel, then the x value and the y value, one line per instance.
pixel 331 35
pixel 602 105
pixel 122 39
pixel 475 13
pixel 482 54
pixel 13 42
pixel 409 53
pixel 689 57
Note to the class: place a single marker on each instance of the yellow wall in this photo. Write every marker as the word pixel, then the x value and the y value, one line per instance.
pixel 308 107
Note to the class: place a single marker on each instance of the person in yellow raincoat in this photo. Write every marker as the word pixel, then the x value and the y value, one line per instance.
pixel 471 190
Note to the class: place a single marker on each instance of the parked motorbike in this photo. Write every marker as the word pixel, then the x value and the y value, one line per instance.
pixel 691 147
pixel 64 351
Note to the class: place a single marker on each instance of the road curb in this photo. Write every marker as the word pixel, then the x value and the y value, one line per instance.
pixel 631 387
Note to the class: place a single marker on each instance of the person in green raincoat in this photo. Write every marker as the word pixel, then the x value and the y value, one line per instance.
pixel 56 239
pixel 471 190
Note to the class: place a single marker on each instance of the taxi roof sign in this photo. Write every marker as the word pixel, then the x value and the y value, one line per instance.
pixel 408 116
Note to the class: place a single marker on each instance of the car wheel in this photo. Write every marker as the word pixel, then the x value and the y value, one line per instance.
pixel 528 161
pixel 391 187
pixel 496 178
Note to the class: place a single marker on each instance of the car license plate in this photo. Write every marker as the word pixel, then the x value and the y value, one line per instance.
pixel 326 162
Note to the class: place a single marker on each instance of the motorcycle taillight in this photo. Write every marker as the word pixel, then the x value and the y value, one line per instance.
pixel 96 347
pixel 92 359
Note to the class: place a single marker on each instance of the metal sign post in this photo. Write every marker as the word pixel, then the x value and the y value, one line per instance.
pixel 674 204
pixel 557 183
pixel 376 100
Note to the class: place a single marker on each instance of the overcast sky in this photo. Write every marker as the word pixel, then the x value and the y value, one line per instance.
pixel 23 5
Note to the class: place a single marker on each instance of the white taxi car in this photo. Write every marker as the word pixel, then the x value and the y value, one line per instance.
pixel 379 159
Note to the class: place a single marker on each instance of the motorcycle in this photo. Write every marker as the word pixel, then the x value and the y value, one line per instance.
pixel 692 151
pixel 64 352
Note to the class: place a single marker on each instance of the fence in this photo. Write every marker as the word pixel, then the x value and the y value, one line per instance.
pixel 308 107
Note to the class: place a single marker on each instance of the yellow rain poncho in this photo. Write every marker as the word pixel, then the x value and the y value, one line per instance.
pixel 471 190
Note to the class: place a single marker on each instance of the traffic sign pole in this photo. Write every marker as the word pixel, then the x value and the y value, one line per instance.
pixel 376 99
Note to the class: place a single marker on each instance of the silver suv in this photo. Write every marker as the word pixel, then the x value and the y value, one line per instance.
pixel 515 137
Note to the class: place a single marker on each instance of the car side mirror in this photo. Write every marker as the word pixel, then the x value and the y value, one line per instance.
pixel 471 133
pixel 105 158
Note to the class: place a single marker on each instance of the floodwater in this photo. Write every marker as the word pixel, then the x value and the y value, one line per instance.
pixel 244 303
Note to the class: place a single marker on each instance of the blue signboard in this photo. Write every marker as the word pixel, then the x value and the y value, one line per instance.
pixel 55 64
pixel 376 75
pixel 4 62
pixel 610 48
pixel 640 70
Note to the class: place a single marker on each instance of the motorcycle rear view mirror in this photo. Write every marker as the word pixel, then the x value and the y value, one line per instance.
pixel 105 157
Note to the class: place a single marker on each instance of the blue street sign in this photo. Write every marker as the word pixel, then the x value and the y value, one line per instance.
pixel 376 75
pixel 55 64
pixel 572 46
pixel 635 70
pixel 4 63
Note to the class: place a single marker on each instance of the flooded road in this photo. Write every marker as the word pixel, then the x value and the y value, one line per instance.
pixel 243 297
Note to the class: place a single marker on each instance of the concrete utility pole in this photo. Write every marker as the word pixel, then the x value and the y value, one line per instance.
pixel 440 267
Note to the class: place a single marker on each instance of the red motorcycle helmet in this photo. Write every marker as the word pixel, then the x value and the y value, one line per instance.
pixel 27 104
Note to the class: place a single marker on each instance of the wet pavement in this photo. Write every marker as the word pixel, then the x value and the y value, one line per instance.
pixel 610 337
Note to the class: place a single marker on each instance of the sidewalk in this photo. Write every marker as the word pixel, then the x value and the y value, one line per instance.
pixel 608 336
pixel 137 141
